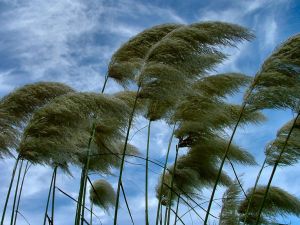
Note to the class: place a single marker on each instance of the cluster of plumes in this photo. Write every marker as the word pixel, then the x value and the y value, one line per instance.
pixel 102 194
pixel 49 123
pixel 291 154
pixel 16 110
pixel 277 84
pixel 278 202
pixel 165 60
pixel 59 132
pixel 202 119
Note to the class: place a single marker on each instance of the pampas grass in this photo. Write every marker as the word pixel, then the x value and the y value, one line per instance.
pixel 166 71
pixel 102 194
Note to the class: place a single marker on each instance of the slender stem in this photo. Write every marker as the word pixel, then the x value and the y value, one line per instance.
pixel 73 199
pixel 20 192
pixel 78 209
pixel 177 216
pixel 254 188
pixel 222 164
pixel 177 206
pixel 161 210
pixel 104 84
pixel 185 194
pixel 16 193
pixel 274 169
pixel 48 198
pixel 23 217
pixel 163 174
pixel 172 185
pixel 53 195
pixel 9 189
pixel 237 178
pixel 166 215
pixel 91 215
pixel 123 156
pixel 85 173
pixel 83 202
pixel 146 175
pixel 126 202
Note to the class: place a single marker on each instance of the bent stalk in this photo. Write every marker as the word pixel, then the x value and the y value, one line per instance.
pixel 127 205
pixel 84 173
pixel 9 189
pixel 123 157
pixel 172 185
pixel 163 174
pixel 16 193
pixel 146 175
pixel 53 195
pixel 91 215
pixel 222 163
pixel 254 188
pixel 176 214
pixel 274 169
pixel 48 199
pixel 20 192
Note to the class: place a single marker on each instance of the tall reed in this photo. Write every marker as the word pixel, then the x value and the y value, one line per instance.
pixel 276 85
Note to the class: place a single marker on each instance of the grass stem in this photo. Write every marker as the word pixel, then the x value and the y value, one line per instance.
pixel 9 189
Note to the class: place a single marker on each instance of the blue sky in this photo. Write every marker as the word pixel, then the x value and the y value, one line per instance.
pixel 71 41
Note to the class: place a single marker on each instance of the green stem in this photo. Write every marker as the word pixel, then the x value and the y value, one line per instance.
pixel 53 195
pixel 161 210
pixel 237 178
pixel 73 199
pixel 254 188
pixel 274 169
pixel 126 202
pixel 222 164
pixel 105 82
pixel 78 209
pixel 16 193
pixel 177 206
pixel 123 156
pixel 146 175
pixel 48 198
pixel 177 216
pixel 166 215
pixel 84 172
pixel 172 185
pixel 91 215
pixel 20 192
pixel 163 174
pixel 186 202
pixel 9 189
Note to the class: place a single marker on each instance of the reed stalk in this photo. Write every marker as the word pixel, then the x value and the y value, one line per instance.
pixel 127 205
pixel 16 193
pixel 82 190
pixel 9 189
pixel 163 174
pixel 274 170
pixel 53 195
pixel 83 180
pixel 172 185
pixel 48 199
pixel 146 174
pixel 227 151
pixel 20 192
pixel 123 156
pixel 91 215
pixel 254 188
pixel 177 207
